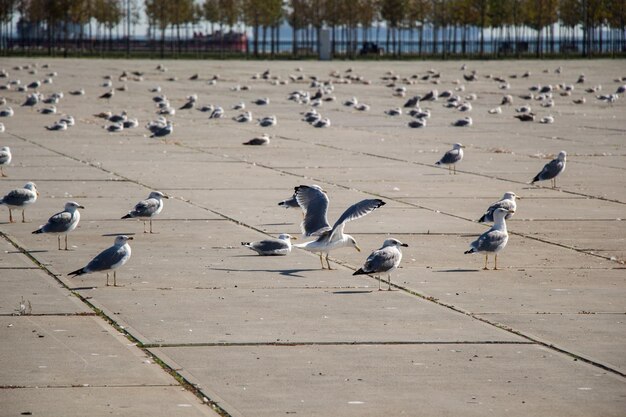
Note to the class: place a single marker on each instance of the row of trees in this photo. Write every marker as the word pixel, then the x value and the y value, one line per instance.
pixel 433 26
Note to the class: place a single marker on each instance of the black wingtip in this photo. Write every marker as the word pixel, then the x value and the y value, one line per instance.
pixel 438 163
pixel 360 271
pixel 469 251
pixel 482 219
pixel 245 243
pixel 36 232
pixel 80 271
pixel 128 216
pixel 535 179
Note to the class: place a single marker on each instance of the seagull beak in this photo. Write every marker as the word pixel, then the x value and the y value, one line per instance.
pixel 405 245
pixel 357 248
pixel 518 197
pixel 166 196
pixel 81 207
pixel 511 211
pixel 131 238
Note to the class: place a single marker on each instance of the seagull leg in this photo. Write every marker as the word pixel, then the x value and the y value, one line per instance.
pixel 151 226
pixel 144 227
pixel 10 216
pixel 2 171
pixel 23 217
pixel 379 289
pixel 107 279
pixel 66 242
pixel 115 278
pixel 327 261
pixel 59 241
pixel 322 260
pixel 485 268
pixel 449 169
pixel 454 168
pixel 389 282
pixel 495 263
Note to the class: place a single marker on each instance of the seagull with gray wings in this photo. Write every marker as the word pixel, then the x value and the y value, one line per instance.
pixel 20 199
pixel 108 260
pixel 314 204
pixel 384 260
pixel 507 202
pixel 63 222
pixel 494 239
pixel 147 209
pixel 271 247
pixel 452 157
pixel 552 169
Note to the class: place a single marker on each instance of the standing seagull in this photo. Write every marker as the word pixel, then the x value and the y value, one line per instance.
pixel 494 239
pixel 20 198
pixel 5 159
pixel 108 260
pixel 507 202
pixel 63 222
pixel 148 208
pixel 272 247
pixel 384 260
pixel 451 157
pixel 314 203
pixel 552 169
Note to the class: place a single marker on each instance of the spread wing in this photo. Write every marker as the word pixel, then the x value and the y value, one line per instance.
pixel 356 211
pixel 314 203
pixel 382 260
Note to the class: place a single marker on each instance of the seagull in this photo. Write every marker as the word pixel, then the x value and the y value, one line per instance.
pixel 5 159
pixel 495 110
pixel 526 117
pixel 394 112
pixel 325 122
pixel 147 209
pixel 108 260
pixel 451 157
pixel 259 140
pixel 63 222
pixel 19 199
pixel 48 110
pixel 217 113
pixel 262 101
pixel 115 118
pixel 432 95
pixel 31 100
pixel 351 102
pixel 239 106
pixel 191 102
pixel 8 112
pixel 268 121
pixel 130 123
pixel 314 204
pixel 549 119
pixel 115 127
pixel 80 92
pixel 272 247
pixel 417 123
pixel 494 239
pixel 464 122
pixel 412 102
pixel 384 260
pixel 60 125
pixel 108 95
pixel 243 117
pixel 552 169
pixel 163 131
pixel 69 120
pixel 362 107
pixel 507 202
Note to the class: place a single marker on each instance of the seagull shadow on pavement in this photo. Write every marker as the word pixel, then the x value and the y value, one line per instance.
pixel 286 272
pixel 458 270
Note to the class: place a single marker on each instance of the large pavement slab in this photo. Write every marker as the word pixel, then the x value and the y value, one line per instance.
pixel 277 335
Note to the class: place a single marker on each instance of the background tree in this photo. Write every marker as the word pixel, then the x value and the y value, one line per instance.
pixel 394 13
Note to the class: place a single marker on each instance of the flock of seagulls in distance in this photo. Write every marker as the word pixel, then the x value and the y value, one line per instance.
pixel 312 200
